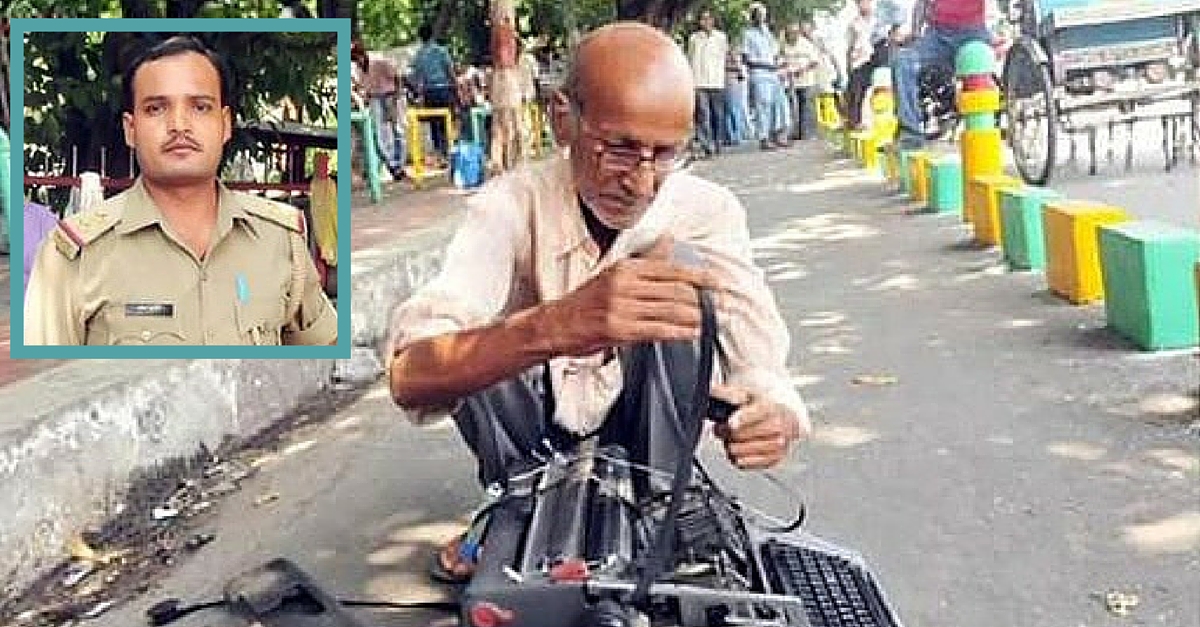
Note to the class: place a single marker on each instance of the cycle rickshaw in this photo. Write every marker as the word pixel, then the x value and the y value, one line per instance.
pixel 1079 66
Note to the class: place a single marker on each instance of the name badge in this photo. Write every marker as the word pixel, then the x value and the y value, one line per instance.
pixel 153 310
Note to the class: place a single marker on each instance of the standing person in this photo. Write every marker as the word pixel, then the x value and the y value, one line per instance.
pixel 561 293
pixel 941 27
pixel 432 73
pixel 707 49
pixel 858 61
pixel 385 93
pixel 737 99
pixel 761 53
pixel 178 258
pixel 505 94
pixel 801 58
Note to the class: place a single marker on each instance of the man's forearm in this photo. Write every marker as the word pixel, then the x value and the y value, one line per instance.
pixel 439 370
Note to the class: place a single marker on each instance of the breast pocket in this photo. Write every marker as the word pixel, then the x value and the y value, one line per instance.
pixel 143 324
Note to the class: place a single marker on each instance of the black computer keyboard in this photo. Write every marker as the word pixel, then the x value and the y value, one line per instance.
pixel 835 592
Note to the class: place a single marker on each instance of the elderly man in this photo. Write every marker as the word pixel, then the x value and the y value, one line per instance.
pixel 563 282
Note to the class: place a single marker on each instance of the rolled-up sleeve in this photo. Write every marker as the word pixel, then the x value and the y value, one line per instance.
pixel 472 287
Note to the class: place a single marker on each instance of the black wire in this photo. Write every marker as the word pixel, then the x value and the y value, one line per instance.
pixel 660 552
pixel 797 520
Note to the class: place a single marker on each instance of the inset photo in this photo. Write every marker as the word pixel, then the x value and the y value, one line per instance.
pixel 180 188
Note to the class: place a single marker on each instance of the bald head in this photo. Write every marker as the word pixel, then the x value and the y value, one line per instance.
pixel 627 66
pixel 628 88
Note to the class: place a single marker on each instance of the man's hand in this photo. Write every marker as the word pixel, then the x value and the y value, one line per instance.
pixel 760 432
pixel 643 299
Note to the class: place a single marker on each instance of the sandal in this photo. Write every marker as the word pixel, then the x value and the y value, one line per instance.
pixel 458 573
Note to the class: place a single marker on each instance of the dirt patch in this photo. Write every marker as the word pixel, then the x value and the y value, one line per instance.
pixel 164 516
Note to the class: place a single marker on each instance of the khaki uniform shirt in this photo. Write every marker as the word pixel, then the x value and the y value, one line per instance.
pixel 524 241
pixel 118 275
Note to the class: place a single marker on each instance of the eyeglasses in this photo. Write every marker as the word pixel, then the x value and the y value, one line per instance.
pixel 624 157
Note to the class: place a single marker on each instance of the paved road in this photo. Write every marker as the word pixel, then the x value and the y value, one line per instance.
pixel 1024 461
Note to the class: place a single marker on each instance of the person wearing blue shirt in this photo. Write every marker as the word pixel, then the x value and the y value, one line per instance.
pixel 761 53
pixel 433 76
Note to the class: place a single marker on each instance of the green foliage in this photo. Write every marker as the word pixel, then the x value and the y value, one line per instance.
pixel 390 23
pixel 733 15
pixel 463 23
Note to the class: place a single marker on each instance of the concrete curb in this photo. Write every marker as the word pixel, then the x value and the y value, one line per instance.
pixel 73 438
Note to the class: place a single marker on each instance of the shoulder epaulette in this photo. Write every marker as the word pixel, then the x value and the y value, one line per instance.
pixel 76 232
pixel 284 215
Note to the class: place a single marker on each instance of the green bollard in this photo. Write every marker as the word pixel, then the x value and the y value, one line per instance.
pixel 372 158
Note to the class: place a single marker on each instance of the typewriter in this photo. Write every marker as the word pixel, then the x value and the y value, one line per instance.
pixel 568 544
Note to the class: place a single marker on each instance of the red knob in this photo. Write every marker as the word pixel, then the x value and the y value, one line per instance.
pixel 978 82
pixel 488 614
pixel 568 570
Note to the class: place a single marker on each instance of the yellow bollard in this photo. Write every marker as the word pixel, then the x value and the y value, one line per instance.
pixel 983 205
pixel 883 107
pixel 416 147
pixel 1072 252
pixel 919 164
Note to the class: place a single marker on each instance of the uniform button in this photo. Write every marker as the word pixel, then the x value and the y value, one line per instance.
pixel 146 335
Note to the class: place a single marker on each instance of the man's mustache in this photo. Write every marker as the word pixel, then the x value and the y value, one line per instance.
pixel 181 141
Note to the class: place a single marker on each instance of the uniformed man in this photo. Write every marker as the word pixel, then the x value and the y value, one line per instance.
pixel 178 258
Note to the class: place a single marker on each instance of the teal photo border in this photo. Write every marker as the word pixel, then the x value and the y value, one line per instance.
pixel 19 28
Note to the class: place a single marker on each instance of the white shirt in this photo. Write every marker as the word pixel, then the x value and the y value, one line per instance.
pixel 706 51
pixel 858 39
pixel 798 58
pixel 524 241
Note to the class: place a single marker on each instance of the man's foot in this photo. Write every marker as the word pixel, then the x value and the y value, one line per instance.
pixel 765 144
pixel 449 566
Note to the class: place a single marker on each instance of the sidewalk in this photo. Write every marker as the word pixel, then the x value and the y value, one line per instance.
pixel 402 211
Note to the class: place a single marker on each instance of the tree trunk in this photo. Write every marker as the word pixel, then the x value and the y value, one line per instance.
pixel 138 9
pixel 444 18
pixel 658 13
pixel 339 9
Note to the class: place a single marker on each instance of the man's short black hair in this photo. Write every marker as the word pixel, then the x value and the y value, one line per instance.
pixel 425 32
pixel 173 46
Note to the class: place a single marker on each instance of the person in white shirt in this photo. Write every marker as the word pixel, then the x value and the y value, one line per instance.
pixel 565 302
pixel 858 60
pixel 801 58
pixel 707 48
